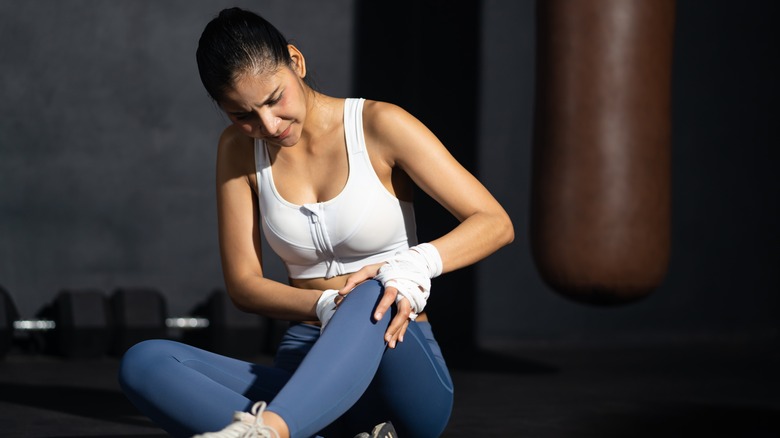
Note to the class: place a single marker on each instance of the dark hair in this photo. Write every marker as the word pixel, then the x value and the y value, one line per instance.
pixel 238 42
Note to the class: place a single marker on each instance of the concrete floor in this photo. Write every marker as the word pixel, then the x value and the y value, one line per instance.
pixel 706 388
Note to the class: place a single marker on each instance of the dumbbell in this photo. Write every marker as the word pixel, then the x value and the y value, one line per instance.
pixel 8 315
pixel 83 323
pixel 75 324
pixel 138 314
pixel 230 331
pixel 215 324
pixel 87 324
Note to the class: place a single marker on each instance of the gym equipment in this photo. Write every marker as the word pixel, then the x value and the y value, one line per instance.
pixel 138 314
pixel 8 315
pixel 88 324
pixel 81 326
pixel 230 331
pixel 135 314
pixel 600 204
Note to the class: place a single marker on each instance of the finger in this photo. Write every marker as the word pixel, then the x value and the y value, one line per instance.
pixel 398 325
pixel 365 273
pixel 384 304
pixel 351 283
pixel 396 329
pixel 403 330
pixel 356 278
pixel 404 310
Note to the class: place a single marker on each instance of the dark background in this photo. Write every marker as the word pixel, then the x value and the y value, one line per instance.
pixel 107 147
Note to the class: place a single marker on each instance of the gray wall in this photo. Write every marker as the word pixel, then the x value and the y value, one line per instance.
pixel 107 141
pixel 107 145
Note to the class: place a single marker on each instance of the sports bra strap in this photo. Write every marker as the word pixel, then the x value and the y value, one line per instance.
pixel 353 125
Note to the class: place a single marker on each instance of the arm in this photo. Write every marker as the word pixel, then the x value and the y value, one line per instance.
pixel 239 238
pixel 400 142
pixel 404 142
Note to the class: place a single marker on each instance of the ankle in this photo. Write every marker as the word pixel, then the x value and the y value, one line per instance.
pixel 273 420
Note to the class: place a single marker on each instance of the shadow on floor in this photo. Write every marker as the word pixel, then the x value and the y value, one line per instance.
pixel 99 404
pixel 686 420
pixel 487 361
pixel 151 435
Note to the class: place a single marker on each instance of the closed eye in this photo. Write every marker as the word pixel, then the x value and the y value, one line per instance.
pixel 275 100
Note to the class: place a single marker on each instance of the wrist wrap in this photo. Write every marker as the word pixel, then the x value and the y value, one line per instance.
pixel 326 306
pixel 410 272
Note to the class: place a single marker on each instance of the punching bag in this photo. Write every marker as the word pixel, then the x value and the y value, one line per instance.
pixel 600 202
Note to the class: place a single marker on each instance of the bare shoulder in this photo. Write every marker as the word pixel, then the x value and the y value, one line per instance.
pixel 380 117
pixel 235 156
pixel 234 147
pixel 232 139
pixel 395 132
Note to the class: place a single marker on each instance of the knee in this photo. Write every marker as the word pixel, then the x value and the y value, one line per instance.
pixel 140 359
pixel 366 294
pixel 369 290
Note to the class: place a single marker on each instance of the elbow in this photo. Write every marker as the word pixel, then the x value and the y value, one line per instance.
pixel 497 230
pixel 240 304
pixel 238 300
pixel 240 296
pixel 507 231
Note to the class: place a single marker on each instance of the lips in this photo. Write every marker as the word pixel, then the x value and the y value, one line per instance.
pixel 284 133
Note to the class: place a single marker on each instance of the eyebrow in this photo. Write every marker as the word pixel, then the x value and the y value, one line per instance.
pixel 270 98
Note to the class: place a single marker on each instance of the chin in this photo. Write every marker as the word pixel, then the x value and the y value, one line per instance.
pixel 290 140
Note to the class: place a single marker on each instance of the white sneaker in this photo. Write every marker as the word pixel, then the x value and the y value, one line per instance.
pixel 245 425
pixel 384 430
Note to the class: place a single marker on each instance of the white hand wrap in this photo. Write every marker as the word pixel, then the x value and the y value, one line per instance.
pixel 326 306
pixel 410 272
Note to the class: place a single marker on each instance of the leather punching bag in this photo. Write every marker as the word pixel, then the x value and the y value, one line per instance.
pixel 600 204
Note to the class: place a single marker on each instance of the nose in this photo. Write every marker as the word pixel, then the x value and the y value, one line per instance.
pixel 268 122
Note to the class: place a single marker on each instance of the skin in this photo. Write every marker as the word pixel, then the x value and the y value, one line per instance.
pixel 304 131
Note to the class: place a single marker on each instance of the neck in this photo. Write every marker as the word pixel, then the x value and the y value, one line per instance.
pixel 323 114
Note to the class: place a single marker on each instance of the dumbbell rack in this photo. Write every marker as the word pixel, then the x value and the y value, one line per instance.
pixel 88 323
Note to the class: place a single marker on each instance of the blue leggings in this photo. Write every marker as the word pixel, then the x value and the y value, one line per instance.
pixel 339 383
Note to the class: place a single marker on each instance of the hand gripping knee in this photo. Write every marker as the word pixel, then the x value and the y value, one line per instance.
pixel 410 272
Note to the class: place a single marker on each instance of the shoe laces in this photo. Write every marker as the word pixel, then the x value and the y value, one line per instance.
pixel 246 425
pixel 259 429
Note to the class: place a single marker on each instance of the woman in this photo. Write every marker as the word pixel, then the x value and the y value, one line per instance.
pixel 330 182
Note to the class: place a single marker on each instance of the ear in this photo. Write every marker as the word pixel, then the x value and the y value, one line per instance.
pixel 298 62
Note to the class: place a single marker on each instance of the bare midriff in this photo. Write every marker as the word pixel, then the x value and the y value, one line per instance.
pixel 337 283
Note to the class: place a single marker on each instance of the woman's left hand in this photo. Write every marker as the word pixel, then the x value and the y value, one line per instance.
pixel 395 332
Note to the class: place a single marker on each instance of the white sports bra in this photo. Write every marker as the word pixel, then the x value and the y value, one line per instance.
pixel 362 225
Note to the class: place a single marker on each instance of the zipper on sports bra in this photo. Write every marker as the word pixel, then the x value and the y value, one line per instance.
pixel 321 240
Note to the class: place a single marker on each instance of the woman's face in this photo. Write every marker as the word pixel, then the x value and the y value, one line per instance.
pixel 269 106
